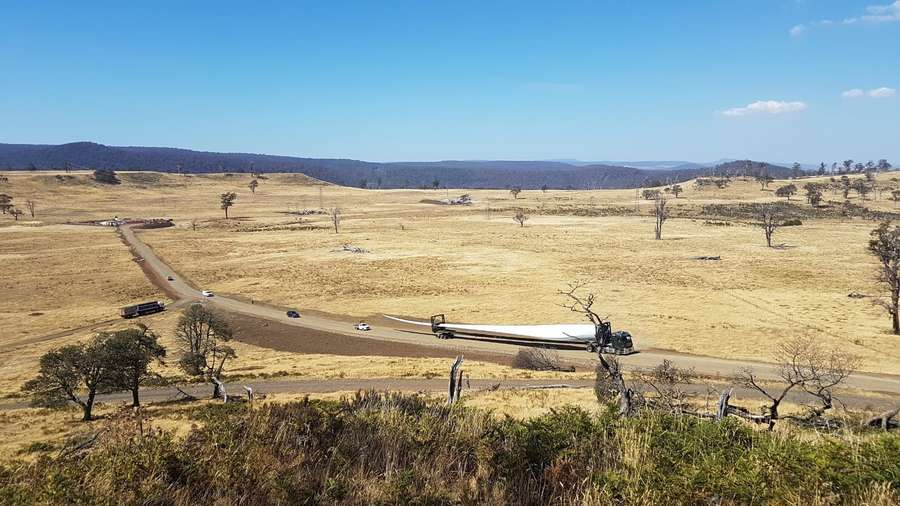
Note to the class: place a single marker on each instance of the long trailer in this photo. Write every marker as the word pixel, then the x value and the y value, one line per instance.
pixel 594 338
pixel 142 309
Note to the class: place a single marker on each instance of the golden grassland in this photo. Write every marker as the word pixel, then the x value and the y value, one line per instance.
pixel 59 277
pixel 471 263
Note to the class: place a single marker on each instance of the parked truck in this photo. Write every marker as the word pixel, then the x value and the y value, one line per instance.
pixel 142 309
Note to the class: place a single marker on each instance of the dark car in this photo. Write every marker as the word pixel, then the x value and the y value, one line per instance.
pixel 293 314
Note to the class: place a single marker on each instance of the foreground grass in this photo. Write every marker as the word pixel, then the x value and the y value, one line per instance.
pixel 376 448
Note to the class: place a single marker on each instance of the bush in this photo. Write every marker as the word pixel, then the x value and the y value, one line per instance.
pixel 792 223
pixel 392 448
pixel 106 176
pixel 539 359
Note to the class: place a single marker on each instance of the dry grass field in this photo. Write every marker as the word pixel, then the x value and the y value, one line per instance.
pixel 62 281
pixel 59 277
pixel 472 263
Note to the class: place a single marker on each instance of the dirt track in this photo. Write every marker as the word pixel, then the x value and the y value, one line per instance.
pixel 316 331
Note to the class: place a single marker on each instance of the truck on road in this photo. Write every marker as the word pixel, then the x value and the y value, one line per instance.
pixel 142 309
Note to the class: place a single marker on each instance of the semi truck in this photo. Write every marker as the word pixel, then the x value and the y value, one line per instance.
pixel 594 338
pixel 142 309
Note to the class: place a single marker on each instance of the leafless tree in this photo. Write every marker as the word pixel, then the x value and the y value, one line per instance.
pixel 16 212
pixel 515 192
pixel 581 301
pixel 29 204
pixel 539 359
pixel 886 420
pixel 610 385
pixel 520 217
pixel 769 221
pixel 253 184
pixel 665 381
pixel 805 365
pixel 661 212
pixel 335 214
pixel 609 380
pixel 194 225
pixel 885 246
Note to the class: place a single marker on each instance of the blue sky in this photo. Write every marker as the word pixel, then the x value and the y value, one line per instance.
pixel 459 80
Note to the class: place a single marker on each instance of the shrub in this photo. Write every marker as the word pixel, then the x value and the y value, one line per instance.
pixel 392 448
pixel 539 359
pixel 106 176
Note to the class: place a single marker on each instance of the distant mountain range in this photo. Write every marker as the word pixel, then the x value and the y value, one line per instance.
pixel 650 164
pixel 449 173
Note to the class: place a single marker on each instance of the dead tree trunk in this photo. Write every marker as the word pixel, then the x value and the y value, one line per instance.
pixel 219 389
pixel 455 380
pixel 887 420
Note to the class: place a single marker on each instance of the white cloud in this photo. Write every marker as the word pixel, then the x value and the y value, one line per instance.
pixel 877 14
pixel 888 13
pixel 882 92
pixel 882 13
pixel 766 107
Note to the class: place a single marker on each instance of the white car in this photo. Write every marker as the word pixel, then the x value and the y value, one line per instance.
pixel 362 326
pixel 206 293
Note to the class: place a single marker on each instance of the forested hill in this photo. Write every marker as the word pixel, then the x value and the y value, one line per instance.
pixel 451 174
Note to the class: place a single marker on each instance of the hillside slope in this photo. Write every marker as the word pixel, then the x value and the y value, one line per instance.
pixel 346 172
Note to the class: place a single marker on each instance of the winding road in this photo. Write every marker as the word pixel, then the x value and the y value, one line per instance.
pixel 385 330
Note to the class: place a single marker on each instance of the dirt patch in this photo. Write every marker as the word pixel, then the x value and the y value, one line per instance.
pixel 281 337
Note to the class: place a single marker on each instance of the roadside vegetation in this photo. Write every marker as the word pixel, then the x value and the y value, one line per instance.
pixel 388 449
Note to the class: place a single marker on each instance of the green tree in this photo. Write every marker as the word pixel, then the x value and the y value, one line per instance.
pixel 786 191
pixel 201 334
pixel 253 184
pixel 227 200
pixel 764 180
pixel 677 190
pixel 885 246
pixel 73 373
pixel 813 193
pixel 862 187
pixel 132 352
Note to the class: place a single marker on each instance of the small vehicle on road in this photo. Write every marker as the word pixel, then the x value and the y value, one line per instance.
pixel 362 326
pixel 206 293
pixel 293 314
pixel 170 278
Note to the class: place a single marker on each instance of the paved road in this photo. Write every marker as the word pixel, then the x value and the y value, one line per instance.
pixel 262 388
pixel 385 330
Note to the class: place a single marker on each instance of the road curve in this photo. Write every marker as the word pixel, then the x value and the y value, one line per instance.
pixel 388 331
